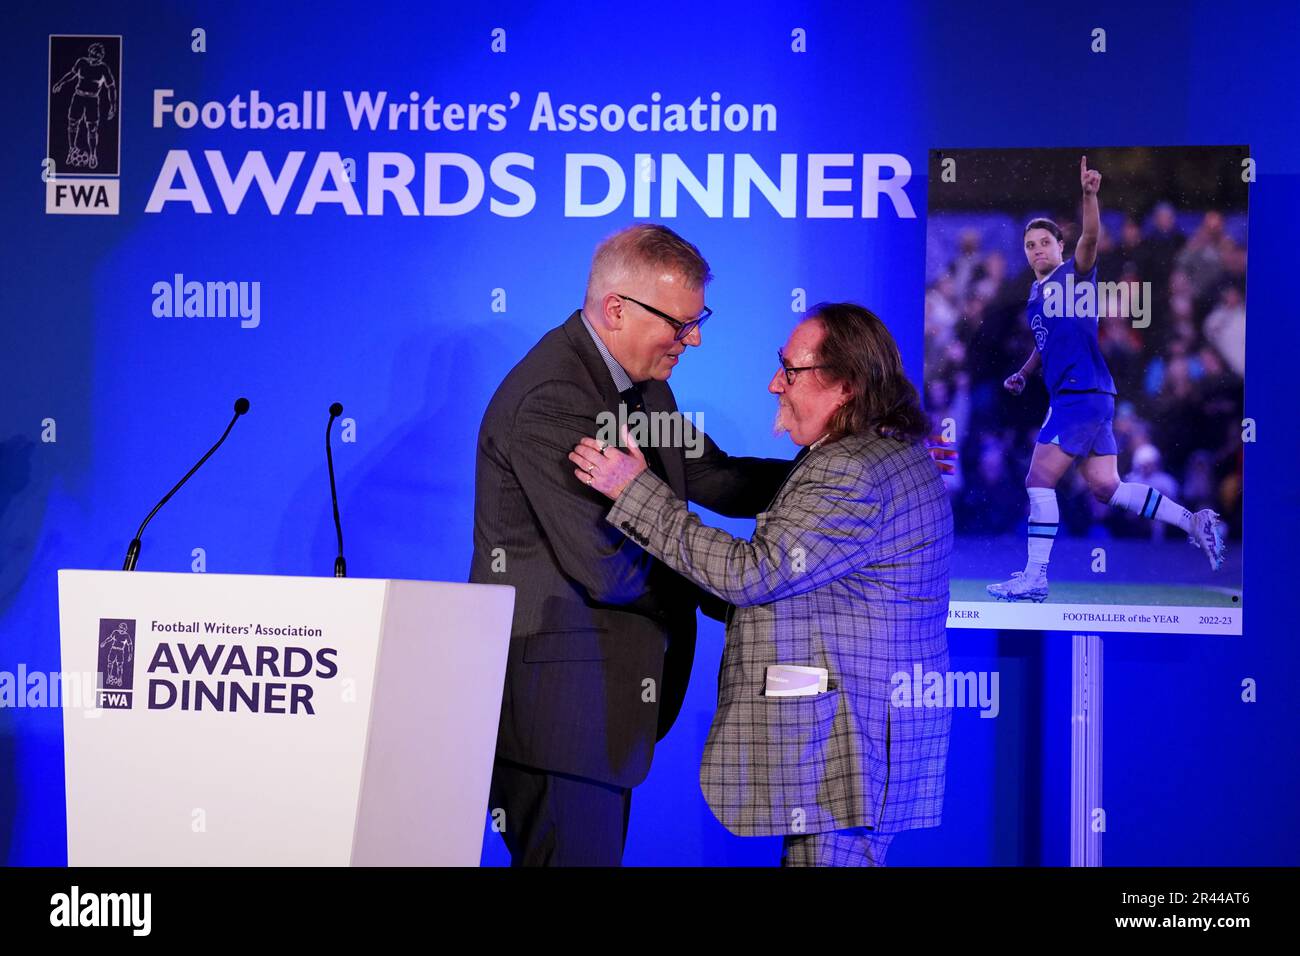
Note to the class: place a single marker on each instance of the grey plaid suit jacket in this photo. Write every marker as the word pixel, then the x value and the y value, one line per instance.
pixel 846 570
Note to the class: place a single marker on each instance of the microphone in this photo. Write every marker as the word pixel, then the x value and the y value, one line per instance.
pixel 133 552
pixel 340 566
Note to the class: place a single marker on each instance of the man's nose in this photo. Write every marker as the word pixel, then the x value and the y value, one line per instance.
pixel 777 385
pixel 694 337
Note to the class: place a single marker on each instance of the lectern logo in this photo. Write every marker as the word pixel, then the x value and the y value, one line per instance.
pixel 83 141
pixel 116 663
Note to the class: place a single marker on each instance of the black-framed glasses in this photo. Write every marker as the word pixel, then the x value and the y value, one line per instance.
pixel 682 329
pixel 792 370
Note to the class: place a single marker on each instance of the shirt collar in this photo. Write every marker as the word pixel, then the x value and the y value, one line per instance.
pixel 622 381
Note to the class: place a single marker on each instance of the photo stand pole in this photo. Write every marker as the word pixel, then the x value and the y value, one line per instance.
pixel 1086 752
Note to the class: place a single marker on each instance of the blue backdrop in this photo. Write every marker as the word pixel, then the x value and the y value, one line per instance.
pixel 393 315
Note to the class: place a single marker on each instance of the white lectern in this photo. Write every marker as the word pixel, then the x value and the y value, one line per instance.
pixel 263 720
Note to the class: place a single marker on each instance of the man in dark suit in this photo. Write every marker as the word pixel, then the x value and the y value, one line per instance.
pixel 603 634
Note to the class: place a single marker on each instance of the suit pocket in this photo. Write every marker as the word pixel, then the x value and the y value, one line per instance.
pixel 585 644
pixel 799 721
pixel 793 759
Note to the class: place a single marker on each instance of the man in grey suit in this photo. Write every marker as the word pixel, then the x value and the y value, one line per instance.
pixel 603 634
pixel 847 571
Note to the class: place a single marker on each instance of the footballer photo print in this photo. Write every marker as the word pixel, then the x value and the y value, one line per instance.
pixel 1085 351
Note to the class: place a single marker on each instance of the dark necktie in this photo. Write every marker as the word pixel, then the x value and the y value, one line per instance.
pixel 635 402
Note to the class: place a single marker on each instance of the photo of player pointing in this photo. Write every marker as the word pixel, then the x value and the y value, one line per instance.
pixel 1082 394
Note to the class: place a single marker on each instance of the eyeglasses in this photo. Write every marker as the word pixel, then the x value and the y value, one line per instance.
pixel 792 370
pixel 683 329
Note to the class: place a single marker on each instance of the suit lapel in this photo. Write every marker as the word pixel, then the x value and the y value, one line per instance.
pixel 657 395
pixel 798 460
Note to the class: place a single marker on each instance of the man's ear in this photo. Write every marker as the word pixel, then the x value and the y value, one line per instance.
pixel 612 309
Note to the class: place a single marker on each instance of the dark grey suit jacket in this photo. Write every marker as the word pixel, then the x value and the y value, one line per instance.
pixel 588 690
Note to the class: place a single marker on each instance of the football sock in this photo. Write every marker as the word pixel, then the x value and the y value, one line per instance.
pixel 1146 502
pixel 1044 519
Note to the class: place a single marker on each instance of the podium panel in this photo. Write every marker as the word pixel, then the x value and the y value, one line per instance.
pixel 264 720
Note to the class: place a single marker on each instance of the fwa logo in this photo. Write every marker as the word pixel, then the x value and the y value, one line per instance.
pixel 116 663
pixel 83 141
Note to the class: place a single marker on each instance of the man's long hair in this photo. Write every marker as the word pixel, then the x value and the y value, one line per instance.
pixel 858 350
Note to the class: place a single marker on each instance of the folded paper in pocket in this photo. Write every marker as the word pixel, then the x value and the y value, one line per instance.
pixel 794 680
